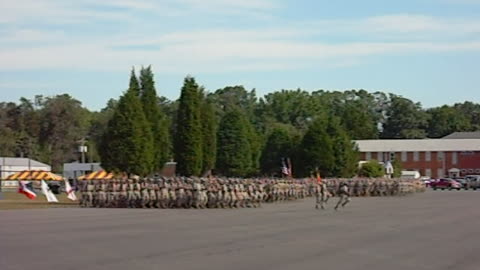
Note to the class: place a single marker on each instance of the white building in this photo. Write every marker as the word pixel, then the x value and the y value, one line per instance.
pixel 75 170
pixel 9 166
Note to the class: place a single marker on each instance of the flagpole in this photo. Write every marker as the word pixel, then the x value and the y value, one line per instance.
pixel 1 176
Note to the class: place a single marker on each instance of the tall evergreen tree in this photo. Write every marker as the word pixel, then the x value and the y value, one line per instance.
pixel 344 150
pixel 234 156
pixel 134 84
pixel 155 117
pixel 279 145
pixel 256 144
pixel 127 144
pixel 316 150
pixel 188 135
pixel 209 132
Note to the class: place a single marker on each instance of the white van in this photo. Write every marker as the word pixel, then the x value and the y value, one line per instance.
pixel 410 175
pixel 473 181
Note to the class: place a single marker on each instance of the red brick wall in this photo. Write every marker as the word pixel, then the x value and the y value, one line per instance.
pixel 469 161
pixel 464 162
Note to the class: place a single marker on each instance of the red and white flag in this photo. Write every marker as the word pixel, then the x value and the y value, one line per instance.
pixel 70 191
pixel 23 189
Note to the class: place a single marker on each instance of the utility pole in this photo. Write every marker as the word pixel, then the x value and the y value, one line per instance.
pixel 82 149
pixel 1 176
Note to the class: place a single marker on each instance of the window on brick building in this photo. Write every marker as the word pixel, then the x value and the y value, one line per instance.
pixel 416 156
pixel 368 156
pixel 428 156
pixel 428 172
pixel 380 156
pixel 404 156
pixel 440 156
pixel 454 158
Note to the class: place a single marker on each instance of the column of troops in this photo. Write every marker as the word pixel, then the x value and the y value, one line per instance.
pixel 376 187
pixel 202 193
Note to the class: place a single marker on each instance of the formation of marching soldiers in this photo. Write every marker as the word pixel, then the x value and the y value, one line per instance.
pixel 375 187
pixel 224 193
pixel 188 193
pixel 346 188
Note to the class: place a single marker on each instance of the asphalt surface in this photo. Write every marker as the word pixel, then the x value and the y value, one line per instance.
pixel 436 230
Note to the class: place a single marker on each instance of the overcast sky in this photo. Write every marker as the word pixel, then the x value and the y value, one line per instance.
pixel 426 50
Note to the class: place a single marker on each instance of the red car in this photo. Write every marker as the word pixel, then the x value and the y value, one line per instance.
pixel 446 184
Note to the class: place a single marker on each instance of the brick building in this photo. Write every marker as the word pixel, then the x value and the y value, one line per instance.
pixel 435 158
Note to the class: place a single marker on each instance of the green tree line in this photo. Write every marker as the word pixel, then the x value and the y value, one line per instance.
pixel 229 131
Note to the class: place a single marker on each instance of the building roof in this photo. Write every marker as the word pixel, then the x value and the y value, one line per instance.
pixel 432 145
pixel 464 135
pixel 21 162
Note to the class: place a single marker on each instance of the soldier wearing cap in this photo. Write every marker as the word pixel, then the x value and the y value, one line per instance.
pixel 322 195
pixel 344 194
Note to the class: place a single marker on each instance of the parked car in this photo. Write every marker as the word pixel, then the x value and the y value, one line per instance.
pixel 464 182
pixel 427 181
pixel 473 181
pixel 446 183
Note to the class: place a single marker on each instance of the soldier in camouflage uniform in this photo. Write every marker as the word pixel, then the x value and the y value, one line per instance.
pixel 322 195
pixel 344 194
pixel 83 194
pixel 123 194
pixel 111 200
pixel 101 194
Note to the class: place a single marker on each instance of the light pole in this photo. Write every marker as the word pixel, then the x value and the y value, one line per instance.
pixel 1 176
pixel 83 149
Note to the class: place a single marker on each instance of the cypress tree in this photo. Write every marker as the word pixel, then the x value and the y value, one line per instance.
pixel 234 156
pixel 344 150
pixel 255 143
pixel 155 117
pixel 209 132
pixel 279 145
pixel 127 144
pixel 316 150
pixel 188 135
pixel 134 85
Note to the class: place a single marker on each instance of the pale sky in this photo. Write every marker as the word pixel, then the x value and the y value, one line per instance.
pixel 426 50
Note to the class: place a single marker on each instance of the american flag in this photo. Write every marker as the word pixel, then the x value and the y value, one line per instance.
pixel 289 163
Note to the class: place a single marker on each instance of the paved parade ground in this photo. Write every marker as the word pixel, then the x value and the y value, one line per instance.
pixel 435 230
